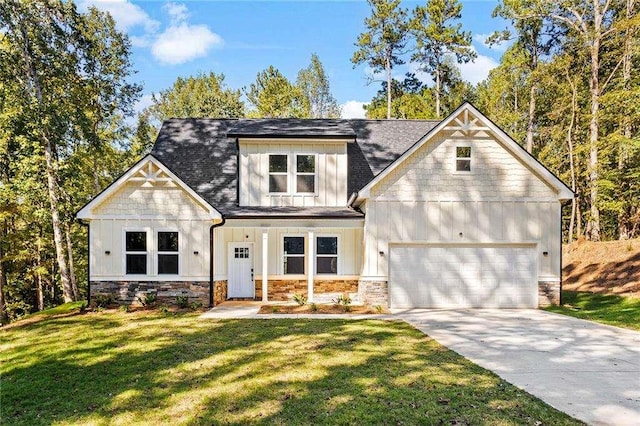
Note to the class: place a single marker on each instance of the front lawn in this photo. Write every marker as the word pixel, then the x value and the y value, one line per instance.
pixel 155 368
pixel 608 309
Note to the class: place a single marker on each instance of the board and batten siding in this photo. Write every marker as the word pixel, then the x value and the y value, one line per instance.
pixel 331 173
pixel 349 248
pixel 152 209
pixel 425 200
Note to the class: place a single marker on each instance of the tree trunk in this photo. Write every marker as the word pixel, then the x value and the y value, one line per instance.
pixel 52 184
pixel 438 83
pixel 388 69
pixel 623 215
pixel 72 274
pixel 39 285
pixel 572 169
pixel 594 87
pixel 4 318
pixel 531 121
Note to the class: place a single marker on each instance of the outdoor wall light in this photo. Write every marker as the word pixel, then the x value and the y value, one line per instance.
pixel 381 253
pixel 107 252
pixel 461 234
pixel 545 253
pixel 196 253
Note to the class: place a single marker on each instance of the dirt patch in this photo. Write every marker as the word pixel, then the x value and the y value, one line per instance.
pixel 610 267
pixel 320 309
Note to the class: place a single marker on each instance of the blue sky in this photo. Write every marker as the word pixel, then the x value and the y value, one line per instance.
pixel 241 38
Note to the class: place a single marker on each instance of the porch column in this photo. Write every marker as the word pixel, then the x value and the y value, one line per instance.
pixel 310 264
pixel 265 263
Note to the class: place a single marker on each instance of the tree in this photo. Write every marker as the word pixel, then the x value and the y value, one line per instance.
pixel 411 100
pixel 203 95
pixel 64 78
pixel 592 22
pixel 438 38
pixel 313 82
pixel 384 41
pixel 274 96
pixel 535 38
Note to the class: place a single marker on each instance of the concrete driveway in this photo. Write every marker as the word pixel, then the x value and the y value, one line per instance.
pixel 589 371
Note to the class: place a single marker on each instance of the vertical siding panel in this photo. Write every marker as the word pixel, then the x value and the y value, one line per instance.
pixel 383 237
pixel 420 221
pixel 341 176
pixel 433 228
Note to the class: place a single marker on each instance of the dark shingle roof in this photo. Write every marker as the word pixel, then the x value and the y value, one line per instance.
pixel 201 152
pixel 291 127
pixel 287 212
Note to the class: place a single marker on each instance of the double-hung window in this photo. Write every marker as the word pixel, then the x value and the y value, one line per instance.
pixel 168 253
pixel 293 259
pixel 278 173
pixel 136 252
pixel 463 159
pixel 305 173
pixel 327 255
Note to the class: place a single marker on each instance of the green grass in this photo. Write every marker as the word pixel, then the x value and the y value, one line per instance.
pixel 65 308
pixel 608 309
pixel 154 368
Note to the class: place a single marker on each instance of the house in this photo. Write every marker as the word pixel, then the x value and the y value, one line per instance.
pixel 404 213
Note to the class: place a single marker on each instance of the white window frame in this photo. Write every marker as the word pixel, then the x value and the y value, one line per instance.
pixel 337 255
pixel 287 173
pixel 314 174
pixel 148 252
pixel 157 251
pixel 456 158
pixel 303 256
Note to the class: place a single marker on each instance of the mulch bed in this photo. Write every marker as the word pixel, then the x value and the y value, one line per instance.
pixel 320 309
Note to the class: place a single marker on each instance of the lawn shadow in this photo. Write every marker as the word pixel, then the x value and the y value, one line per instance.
pixel 150 368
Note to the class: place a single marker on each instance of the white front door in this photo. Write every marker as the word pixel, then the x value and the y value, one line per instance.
pixel 240 277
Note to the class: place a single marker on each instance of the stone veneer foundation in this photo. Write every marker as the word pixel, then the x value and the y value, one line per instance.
pixel 374 293
pixel 127 292
pixel 323 290
pixel 548 293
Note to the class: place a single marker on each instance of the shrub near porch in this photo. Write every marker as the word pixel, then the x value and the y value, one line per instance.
pixel 153 368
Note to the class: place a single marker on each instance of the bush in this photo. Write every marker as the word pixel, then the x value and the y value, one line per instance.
pixel 378 308
pixel 314 307
pixel 164 309
pixel 103 300
pixel 344 300
pixel 124 308
pixel 182 301
pixel 16 310
pixel 300 299
pixel 195 305
pixel 148 300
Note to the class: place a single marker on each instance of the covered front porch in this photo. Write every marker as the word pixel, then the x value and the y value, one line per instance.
pixel 275 259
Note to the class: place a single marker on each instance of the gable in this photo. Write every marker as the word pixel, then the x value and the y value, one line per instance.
pixel 430 173
pixel 148 190
pixel 502 167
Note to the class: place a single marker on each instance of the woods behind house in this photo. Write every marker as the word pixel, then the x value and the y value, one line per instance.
pixel 567 88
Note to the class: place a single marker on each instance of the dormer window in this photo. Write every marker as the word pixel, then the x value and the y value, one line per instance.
pixel 463 159
pixel 278 173
pixel 305 173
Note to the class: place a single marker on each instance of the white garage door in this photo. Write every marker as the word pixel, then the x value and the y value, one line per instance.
pixel 447 276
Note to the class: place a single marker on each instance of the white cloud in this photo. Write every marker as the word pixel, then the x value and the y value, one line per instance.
pixel 498 47
pixel 475 72
pixel 126 14
pixel 352 109
pixel 177 12
pixel 181 43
